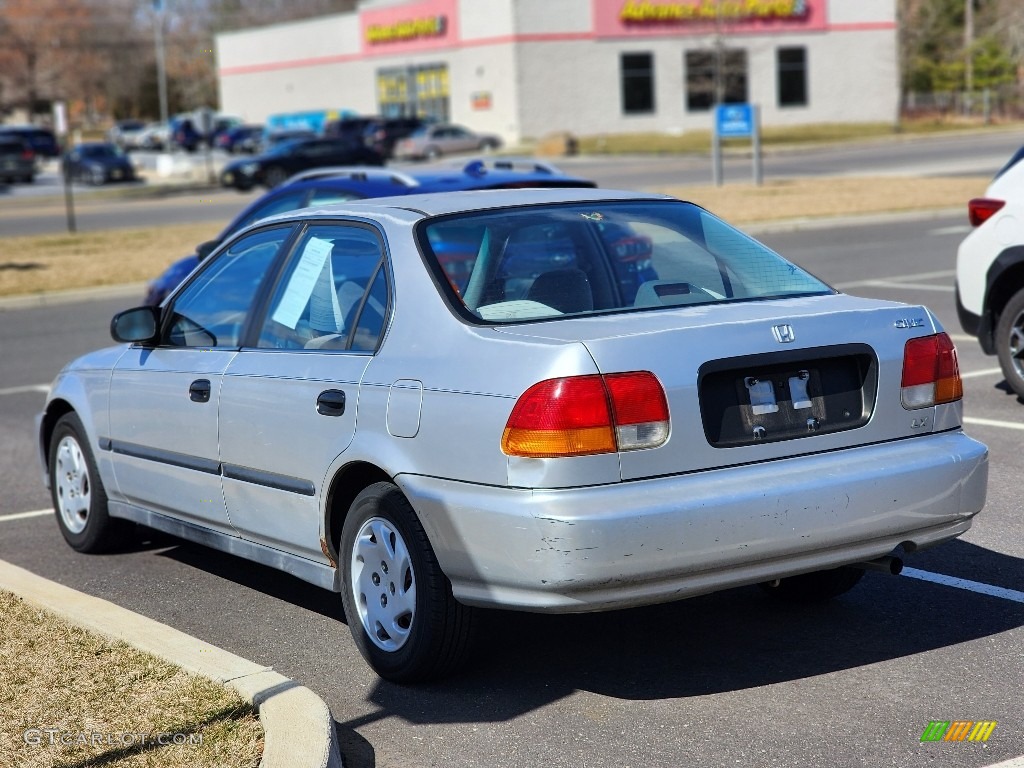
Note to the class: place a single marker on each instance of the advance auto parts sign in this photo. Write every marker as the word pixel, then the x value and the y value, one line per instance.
pixel 654 17
pixel 409 27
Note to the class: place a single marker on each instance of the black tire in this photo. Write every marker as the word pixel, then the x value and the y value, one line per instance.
pixel 274 176
pixel 79 499
pixel 814 587
pixel 1009 342
pixel 403 641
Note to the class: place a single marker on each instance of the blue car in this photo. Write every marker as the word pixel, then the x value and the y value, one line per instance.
pixel 332 185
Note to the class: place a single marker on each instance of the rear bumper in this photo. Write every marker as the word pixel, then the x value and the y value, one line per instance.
pixel 662 539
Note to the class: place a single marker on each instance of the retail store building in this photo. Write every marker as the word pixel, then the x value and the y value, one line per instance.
pixel 527 68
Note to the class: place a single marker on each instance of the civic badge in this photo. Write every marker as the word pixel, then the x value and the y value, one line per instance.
pixel 783 333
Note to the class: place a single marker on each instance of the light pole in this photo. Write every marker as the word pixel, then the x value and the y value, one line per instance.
pixel 161 70
pixel 969 54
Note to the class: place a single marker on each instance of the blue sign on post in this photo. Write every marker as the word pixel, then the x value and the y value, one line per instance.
pixel 734 121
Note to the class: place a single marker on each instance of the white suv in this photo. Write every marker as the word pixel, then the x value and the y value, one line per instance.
pixel 990 271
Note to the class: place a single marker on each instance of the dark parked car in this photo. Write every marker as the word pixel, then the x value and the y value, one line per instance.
pixel 334 185
pixel 350 127
pixel 184 134
pixel 17 160
pixel 98 163
pixel 241 138
pixel 43 142
pixel 288 158
pixel 383 134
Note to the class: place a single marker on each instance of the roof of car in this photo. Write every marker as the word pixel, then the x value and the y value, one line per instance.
pixel 438 204
pixel 472 174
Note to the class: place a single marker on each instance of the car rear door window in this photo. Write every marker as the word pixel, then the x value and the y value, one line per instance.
pixel 332 294
pixel 213 309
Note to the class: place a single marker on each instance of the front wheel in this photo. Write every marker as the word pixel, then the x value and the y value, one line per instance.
pixel 1009 341
pixel 78 495
pixel 814 587
pixel 398 604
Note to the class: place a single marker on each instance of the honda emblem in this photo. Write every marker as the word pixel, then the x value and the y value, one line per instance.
pixel 783 333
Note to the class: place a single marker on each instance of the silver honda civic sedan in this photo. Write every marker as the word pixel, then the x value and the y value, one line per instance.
pixel 541 400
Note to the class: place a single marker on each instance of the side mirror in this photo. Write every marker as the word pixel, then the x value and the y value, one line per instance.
pixel 135 325
pixel 205 249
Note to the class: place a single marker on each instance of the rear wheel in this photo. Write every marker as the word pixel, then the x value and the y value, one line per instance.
pixel 814 587
pixel 1009 341
pixel 78 495
pixel 398 604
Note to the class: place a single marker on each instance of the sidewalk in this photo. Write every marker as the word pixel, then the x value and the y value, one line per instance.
pixel 297 724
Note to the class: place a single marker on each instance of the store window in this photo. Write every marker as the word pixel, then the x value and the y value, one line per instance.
pixel 792 69
pixel 709 73
pixel 637 83
pixel 418 91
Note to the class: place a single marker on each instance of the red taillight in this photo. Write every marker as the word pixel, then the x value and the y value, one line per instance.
pixel 981 209
pixel 931 375
pixel 582 415
pixel 28 154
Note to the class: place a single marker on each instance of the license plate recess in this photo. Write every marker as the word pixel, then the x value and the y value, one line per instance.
pixel 785 396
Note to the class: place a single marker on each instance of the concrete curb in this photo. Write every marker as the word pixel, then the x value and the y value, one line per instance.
pixel 297 724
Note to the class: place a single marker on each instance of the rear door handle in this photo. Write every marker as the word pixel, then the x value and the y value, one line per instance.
pixel 331 402
pixel 199 391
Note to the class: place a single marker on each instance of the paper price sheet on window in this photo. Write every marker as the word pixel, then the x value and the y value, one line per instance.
pixel 312 284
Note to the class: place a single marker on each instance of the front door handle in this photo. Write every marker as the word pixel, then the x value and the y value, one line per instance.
pixel 331 402
pixel 199 391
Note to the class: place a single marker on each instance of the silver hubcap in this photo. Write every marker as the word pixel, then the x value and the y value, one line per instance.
pixel 74 491
pixel 383 583
pixel 1016 341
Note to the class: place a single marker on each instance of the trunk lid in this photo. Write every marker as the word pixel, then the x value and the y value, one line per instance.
pixel 757 381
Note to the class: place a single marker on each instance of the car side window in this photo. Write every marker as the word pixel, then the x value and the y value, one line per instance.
pixel 212 310
pixel 370 323
pixel 334 273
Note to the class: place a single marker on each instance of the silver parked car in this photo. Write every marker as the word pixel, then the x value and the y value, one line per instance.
pixel 431 141
pixel 548 400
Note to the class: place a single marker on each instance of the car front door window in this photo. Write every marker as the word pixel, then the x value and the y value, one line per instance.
pixel 212 310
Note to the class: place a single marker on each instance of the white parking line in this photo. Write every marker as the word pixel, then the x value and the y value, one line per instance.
pixel 943 273
pixel 959 229
pixel 23 515
pixel 909 286
pixel 27 388
pixel 993 423
pixel 986 372
pixel 1013 762
pixel 972 586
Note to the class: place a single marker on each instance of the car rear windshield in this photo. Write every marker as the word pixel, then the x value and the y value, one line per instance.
pixel 539 262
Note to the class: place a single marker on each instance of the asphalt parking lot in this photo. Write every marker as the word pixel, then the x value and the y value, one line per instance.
pixel 724 679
